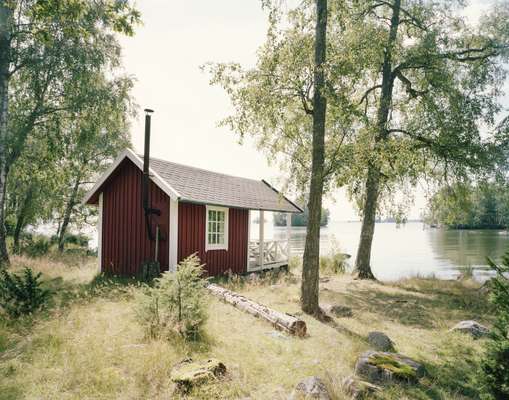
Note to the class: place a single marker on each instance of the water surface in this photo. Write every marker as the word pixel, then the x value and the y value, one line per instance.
pixel 408 250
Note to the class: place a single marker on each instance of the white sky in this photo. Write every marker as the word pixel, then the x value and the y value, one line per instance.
pixel 165 55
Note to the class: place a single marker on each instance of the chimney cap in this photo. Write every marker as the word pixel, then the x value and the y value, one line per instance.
pixel 148 110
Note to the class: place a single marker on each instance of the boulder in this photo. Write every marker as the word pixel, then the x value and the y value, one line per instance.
pixel 190 373
pixel 377 366
pixel 471 327
pixel 338 310
pixel 358 389
pixel 310 388
pixel 380 341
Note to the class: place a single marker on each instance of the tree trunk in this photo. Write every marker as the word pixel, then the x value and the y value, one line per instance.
pixel 372 189
pixel 67 215
pixel 363 259
pixel 21 218
pixel 5 42
pixel 279 320
pixel 310 265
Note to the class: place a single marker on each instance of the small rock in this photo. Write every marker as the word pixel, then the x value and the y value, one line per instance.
pixel 338 310
pixel 472 327
pixel 358 388
pixel 380 341
pixel 310 388
pixel 324 279
pixel 188 373
pixel 377 366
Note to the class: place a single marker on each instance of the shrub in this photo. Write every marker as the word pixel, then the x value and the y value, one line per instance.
pixel 149 271
pixel 495 365
pixel 175 304
pixel 335 262
pixel 36 247
pixel 80 239
pixel 21 294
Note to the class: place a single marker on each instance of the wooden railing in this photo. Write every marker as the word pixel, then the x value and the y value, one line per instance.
pixel 274 251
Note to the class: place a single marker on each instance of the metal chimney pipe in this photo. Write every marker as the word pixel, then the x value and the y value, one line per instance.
pixel 146 159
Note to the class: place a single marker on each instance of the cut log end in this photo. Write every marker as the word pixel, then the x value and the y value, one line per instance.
pixel 299 328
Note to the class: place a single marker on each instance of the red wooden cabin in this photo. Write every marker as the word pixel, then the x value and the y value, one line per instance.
pixel 201 212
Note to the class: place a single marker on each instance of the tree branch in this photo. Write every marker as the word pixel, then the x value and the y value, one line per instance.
pixel 366 94
pixel 408 85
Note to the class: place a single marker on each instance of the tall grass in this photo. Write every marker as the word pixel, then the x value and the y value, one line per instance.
pixel 92 347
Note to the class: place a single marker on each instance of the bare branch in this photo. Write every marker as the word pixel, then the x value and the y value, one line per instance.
pixel 366 94
pixel 408 85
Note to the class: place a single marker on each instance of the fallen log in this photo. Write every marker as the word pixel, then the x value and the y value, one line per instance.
pixel 279 320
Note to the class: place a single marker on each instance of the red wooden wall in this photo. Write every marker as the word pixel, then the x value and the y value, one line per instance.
pixel 125 244
pixel 191 239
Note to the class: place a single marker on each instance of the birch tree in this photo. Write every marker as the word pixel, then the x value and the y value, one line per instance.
pixel 296 105
pixel 311 258
pixel 87 140
pixel 46 48
pixel 425 107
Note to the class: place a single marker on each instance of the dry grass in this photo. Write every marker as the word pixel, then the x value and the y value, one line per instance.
pixel 90 346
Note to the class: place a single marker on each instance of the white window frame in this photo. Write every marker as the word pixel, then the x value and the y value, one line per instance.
pixel 222 246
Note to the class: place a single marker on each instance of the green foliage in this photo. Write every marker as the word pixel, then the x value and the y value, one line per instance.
pixel 149 271
pixel 495 365
pixel 176 302
pixel 335 262
pixel 79 239
pixel 35 246
pixel 467 205
pixel 21 294
pixel 301 219
pixel 68 104
pixel 440 66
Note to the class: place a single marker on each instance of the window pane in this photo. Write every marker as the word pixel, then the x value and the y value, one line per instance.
pixel 220 215
pixel 220 239
pixel 210 238
pixel 221 227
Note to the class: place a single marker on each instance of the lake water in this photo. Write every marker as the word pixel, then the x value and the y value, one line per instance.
pixel 402 251
pixel 407 250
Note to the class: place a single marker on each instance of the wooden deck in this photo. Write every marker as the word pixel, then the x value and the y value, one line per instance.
pixel 275 255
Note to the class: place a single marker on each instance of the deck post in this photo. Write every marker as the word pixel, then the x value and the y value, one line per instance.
pixel 261 238
pixel 288 234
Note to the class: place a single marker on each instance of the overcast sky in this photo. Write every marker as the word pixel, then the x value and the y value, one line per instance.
pixel 165 55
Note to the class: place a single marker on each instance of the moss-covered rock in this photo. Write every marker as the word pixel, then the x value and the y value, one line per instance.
pixel 376 366
pixel 190 373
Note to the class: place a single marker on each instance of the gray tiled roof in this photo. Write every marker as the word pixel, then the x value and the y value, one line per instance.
pixel 202 186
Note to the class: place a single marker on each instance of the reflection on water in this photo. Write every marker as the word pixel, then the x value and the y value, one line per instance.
pixel 410 249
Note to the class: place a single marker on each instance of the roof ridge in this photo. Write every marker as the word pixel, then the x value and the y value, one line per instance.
pixel 201 169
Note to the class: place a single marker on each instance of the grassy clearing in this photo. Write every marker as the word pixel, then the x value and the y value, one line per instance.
pixel 89 346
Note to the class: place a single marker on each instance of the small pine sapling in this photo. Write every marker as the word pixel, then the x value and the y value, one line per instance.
pixel 175 304
pixel 22 294
pixel 495 365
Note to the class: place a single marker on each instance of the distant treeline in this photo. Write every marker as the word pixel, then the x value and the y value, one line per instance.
pixel 469 206
pixel 301 219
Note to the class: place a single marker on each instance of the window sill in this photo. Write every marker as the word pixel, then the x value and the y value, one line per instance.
pixel 212 248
